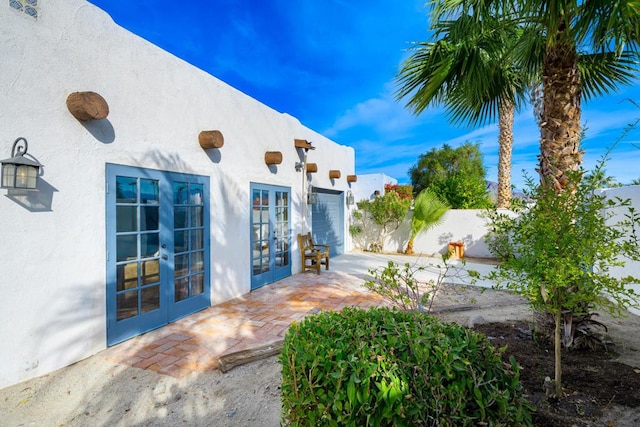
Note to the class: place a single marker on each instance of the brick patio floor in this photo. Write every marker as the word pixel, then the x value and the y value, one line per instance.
pixel 195 343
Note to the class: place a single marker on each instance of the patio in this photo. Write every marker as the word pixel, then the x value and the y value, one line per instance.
pixel 196 343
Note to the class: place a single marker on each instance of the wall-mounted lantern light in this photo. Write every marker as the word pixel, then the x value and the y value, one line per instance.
pixel 312 196
pixel 18 171
pixel 350 199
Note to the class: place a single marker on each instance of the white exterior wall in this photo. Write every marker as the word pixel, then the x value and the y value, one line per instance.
pixel 368 184
pixel 631 268
pixel 458 225
pixel 53 255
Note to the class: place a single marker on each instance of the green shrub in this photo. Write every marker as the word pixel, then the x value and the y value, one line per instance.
pixel 388 367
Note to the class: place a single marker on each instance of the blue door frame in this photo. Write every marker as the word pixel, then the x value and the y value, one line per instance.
pixel 270 228
pixel 157 226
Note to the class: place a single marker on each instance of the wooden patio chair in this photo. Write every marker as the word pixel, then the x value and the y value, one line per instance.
pixel 312 255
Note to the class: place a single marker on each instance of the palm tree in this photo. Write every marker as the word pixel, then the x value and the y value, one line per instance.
pixel 590 47
pixel 468 70
pixel 581 48
pixel 427 213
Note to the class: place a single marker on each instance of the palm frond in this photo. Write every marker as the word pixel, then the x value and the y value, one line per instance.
pixel 468 70
pixel 602 73
pixel 428 212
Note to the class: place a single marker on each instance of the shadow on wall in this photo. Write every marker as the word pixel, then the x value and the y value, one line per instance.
pixel 102 130
pixel 75 326
pixel 214 154
pixel 229 213
pixel 163 161
pixel 370 232
pixel 39 200
pixel 461 225
pixel 227 245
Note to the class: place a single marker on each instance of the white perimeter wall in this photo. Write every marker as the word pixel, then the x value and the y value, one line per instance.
pixel 470 227
pixel 458 225
pixel 631 268
pixel 52 257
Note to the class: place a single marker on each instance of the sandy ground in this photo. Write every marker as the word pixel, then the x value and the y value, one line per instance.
pixel 97 392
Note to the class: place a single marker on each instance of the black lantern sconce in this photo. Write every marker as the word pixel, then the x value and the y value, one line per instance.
pixel 350 199
pixel 18 171
pixel 312 196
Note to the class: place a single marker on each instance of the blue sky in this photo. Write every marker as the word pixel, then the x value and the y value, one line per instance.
pixel 332 63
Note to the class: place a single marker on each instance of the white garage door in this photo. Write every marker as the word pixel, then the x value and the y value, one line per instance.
pixel 328 220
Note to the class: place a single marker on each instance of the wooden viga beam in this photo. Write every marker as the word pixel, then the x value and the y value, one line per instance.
pixel 210 139
pixel 273 157
pixel 303 143
pixel 87 106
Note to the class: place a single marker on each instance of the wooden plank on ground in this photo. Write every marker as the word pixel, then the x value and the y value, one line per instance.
pixel 231 360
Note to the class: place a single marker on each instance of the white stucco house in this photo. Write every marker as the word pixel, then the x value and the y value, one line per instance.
pixel 163 190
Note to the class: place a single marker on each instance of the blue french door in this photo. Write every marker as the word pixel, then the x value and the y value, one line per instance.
pixel 270 234
pixel 157 248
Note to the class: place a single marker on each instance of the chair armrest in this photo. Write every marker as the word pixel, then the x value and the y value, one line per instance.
pixel 325 247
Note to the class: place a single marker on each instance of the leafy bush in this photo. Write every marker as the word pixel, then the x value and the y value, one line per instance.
pixel 380 217
pixel 387 367
pixel 407 287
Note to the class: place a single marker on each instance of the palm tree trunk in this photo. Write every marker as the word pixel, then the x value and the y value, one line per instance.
pixel 409 250
pixel 560 130
pixel 505 138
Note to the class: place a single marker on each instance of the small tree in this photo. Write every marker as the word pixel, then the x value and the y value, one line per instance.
pixel 427 212
pixel 387 212
pixel 408 287
pixel 456 175
pixel 558 254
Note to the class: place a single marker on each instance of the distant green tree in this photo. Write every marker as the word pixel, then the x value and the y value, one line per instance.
pixel 455 175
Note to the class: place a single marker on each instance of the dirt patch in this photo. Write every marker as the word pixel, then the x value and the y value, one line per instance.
pixel 602 387
pixel 598 389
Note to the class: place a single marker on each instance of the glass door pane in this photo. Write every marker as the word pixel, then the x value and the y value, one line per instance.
pixel 137 247
pixel 157 248
pixel 270 234
pixel 189 237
